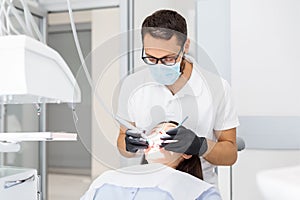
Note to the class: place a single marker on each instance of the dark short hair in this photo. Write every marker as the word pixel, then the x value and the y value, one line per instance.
pixel 163 24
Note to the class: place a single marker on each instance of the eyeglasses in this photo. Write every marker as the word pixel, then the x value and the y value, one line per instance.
pixel 166 60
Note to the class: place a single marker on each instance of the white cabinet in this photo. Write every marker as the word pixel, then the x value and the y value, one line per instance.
pixel 249 164
pixel 18 183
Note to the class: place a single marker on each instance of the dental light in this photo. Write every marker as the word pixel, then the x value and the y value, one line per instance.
pixel 32 72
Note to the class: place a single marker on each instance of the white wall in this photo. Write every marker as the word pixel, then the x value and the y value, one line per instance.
pixel 265 46
pixel 105 26
pixel 105 74
pixel 265 56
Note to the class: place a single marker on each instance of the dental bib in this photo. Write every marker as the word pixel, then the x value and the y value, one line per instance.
pixel 152 176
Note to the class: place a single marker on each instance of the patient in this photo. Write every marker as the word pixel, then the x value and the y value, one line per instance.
pixel 168 176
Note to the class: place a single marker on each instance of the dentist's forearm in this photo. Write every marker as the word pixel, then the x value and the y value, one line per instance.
pixel 221 153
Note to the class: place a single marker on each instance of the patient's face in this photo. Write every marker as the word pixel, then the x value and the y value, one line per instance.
pixel 156 154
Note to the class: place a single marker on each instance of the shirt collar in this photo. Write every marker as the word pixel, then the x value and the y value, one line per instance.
pixel 194 85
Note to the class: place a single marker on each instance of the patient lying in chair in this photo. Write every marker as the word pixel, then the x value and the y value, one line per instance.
pixel 168 176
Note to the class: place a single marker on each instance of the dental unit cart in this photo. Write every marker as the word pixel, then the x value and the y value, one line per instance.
pixel 31 73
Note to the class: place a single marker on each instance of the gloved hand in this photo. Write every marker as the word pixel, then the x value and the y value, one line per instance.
pixel 134 141
pixel 185 141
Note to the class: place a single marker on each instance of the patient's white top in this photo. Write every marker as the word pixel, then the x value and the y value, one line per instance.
pixel 206 99
pixel 150 181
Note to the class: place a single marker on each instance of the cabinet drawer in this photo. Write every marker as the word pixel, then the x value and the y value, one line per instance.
pixel 18 183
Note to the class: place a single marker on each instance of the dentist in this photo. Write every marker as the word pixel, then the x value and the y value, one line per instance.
pixel 173 87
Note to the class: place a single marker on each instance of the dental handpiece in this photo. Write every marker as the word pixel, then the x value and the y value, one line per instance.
pixel 180 124
pixel 132 130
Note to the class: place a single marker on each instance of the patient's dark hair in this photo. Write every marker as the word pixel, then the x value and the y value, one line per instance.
pixel 191 166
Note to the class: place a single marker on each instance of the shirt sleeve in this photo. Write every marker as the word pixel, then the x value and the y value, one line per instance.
pixel 226 112
pixel 210 194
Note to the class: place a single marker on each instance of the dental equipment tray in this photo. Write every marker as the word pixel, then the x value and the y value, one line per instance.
pixel 38 136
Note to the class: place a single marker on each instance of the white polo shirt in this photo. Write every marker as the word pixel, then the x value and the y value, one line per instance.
pixel 206 99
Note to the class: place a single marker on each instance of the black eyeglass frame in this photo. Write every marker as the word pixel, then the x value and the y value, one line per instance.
pixel 161 59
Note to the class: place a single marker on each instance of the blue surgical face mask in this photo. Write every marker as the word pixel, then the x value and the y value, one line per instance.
pixel 166 75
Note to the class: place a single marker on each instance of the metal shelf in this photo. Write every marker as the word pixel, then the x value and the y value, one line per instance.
pixel 38 136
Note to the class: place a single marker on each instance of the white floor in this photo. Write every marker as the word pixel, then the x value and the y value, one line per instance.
pixel 67 187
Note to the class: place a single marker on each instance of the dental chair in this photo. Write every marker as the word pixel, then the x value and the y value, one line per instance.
pixel 240 144
pixel 240 147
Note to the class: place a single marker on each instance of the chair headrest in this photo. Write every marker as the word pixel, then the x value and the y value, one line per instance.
pixel 240 143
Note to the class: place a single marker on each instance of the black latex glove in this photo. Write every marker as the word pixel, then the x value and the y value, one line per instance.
pixel 134 141
pixel 187 142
